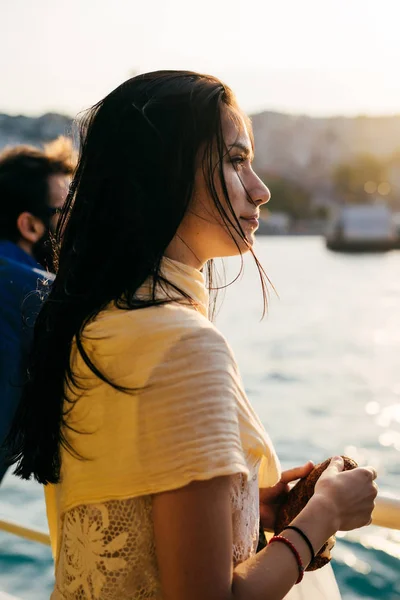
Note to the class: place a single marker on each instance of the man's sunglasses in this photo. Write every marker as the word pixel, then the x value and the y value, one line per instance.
pixel 52 210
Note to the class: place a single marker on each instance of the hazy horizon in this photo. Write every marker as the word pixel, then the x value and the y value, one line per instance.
pixel 355 115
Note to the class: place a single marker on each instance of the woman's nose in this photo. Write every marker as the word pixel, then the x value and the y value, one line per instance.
pixel 261 194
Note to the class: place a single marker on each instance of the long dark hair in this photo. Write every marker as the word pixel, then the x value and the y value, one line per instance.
pixel 138 153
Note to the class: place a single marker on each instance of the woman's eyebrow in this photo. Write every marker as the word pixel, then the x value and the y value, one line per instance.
pixel 244 148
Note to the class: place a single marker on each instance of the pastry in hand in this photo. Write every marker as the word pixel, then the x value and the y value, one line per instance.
pixel 296 500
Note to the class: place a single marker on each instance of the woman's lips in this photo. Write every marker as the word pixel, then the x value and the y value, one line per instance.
pixel 252 221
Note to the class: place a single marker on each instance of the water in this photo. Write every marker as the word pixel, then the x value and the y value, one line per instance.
pixel 322 371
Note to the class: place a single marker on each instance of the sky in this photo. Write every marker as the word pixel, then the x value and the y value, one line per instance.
pixel 317 57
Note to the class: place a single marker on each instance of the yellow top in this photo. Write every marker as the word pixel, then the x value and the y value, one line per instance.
pixel 189 420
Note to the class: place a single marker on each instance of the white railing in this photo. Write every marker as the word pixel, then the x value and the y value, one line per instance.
pixel 387 512
pixel 29 533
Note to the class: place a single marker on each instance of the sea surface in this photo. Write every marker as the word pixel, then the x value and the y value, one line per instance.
pixel 323 372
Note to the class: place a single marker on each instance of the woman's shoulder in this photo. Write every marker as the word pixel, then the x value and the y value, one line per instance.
pixel 165 343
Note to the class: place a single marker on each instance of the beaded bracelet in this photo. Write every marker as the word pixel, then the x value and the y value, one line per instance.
pixel 283 540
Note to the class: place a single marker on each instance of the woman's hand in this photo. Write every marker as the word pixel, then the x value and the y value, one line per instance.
pixel 271 498
pixel 349 495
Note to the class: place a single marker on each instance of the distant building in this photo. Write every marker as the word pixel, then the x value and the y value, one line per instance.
pixel 32 130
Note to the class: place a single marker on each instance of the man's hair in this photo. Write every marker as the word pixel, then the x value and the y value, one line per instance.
pixel 24 187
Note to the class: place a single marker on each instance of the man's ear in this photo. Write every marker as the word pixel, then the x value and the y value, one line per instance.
pixel 30 228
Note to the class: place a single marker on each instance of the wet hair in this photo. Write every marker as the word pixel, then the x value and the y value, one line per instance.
pixel 139 152
pixel 24 185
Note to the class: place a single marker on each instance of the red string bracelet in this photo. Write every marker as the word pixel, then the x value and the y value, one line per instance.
pixel 283 540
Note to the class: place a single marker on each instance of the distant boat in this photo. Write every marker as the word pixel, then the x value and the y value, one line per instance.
pixel 362 228
pixel 396 221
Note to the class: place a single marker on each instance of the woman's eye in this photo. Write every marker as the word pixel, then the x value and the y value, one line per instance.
pixel 238 160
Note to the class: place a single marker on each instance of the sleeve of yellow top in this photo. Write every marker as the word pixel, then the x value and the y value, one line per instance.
pixel 187 424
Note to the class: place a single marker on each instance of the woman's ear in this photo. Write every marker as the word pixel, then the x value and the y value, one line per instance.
pixel 30 228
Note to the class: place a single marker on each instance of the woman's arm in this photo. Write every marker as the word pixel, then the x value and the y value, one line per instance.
pixel 193 535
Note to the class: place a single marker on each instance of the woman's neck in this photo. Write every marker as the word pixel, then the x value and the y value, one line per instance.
pixel 178 250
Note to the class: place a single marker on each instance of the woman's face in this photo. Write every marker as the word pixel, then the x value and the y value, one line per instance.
pixel 203 234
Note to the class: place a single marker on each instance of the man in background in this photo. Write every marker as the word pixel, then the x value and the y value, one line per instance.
pixel 33 187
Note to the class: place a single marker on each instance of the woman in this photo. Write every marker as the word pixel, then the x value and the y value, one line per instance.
pixel 134 414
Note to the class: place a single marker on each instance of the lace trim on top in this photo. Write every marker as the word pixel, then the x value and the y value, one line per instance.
pixel 108 552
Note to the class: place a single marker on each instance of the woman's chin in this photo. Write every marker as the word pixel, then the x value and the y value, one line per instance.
pixel 249 243
pixel 235 246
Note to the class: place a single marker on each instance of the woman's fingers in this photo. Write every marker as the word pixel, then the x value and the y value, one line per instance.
pixel 372 472
pixel 336 464
pixel 297 472
pixel 272 494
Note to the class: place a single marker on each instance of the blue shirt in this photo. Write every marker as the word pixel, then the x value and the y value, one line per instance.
pixel 20 275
